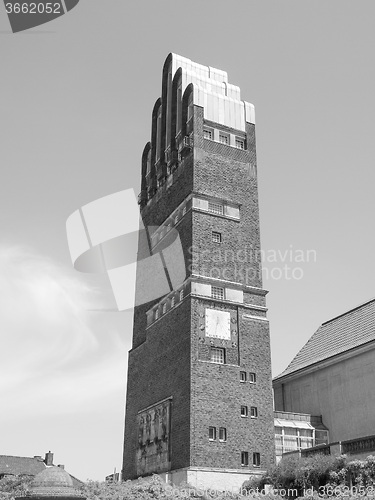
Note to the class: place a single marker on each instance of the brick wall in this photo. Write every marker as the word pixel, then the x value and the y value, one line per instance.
pixel 158 369
pixel 170 358
pixel 217 394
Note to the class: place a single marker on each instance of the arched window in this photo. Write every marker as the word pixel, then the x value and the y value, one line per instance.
pixel 158 133
pixel 169 108
pixel 146 174
pixel 190 107
pixel 148 168
pixel 176 83
pixel 179 107
pixel 187 110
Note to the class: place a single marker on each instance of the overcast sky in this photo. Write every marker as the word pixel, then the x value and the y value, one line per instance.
pixel 76 97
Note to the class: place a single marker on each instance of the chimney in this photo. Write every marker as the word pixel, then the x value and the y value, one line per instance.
pixel 49 459
pixel 61 466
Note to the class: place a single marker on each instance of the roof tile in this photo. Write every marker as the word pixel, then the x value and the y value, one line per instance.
pixel 21 465
pixel 347 331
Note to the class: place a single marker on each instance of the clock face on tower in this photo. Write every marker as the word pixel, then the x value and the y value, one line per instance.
pixel 218 324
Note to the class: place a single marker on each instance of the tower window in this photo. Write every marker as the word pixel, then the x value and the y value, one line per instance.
pixel 217 292
pixel 184 211
pixel 243 377
pixel 164 308
pixel 256 459
pixel 176 219
pixel 244 411
pixel 223 138
pixel 254 412
pixel 252 378
pixel 215 208
pixel 240 143
pixel 181 294
pixel 222 434
pixel 208 133
pixel 244 458
pixel 173 300
pixel 157 314
pixel 217 355
pixel 216 237
pixel 212 433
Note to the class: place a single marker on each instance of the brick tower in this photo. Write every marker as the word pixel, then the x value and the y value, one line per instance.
pixel 199 398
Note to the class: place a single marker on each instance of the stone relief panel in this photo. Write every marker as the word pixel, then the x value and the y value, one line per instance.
pixel 153 450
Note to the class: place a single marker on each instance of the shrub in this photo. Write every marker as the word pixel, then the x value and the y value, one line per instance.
pixel 299 474
pixel 13 486
pixel 152 488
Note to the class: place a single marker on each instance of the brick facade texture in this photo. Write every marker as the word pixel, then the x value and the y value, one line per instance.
pixel 172 358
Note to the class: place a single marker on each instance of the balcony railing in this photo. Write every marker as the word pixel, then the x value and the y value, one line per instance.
pixel 360 445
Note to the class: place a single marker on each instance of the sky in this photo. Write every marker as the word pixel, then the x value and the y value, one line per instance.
pixel 76 97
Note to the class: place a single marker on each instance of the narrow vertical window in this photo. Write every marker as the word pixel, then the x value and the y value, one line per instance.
pixel 173 300
pixel 181 294
pixel 169 106
pixel 208 134
pixel 244 411
pixel 148 171
pixel 222 434
pixel 243 377
pixel 212 433
pixel 256 459
pixel 244 458
pixel 179 107
pixel 216 237
pixel 252 378
pixel 190 107
pixel 158 134
pixel 223 138
pixel 240 143
pixel 254 412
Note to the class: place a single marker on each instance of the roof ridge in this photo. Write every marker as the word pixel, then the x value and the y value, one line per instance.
pixel 350 310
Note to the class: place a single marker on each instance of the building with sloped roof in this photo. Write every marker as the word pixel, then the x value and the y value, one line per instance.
pixel 21 466
pixel 31 466
pixel 333 375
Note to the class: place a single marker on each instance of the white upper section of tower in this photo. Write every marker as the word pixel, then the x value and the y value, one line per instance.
pixel 220 99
